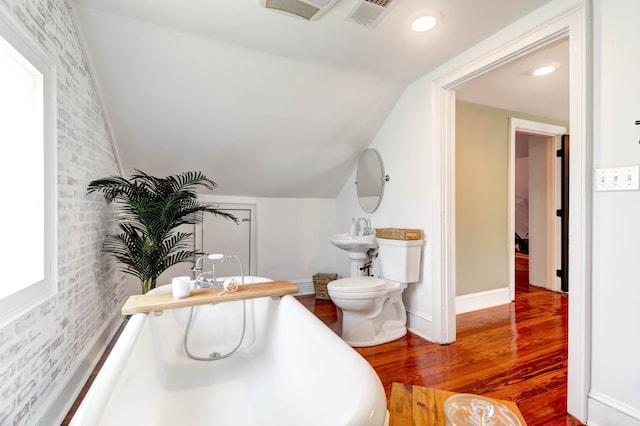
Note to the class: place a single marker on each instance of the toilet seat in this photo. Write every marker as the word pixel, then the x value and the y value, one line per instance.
pixel 361 288
pixel 358 285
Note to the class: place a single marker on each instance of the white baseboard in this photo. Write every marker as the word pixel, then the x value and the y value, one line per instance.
pixel 420 324
pixel 304 287
pixel 59 403
pixel 605 411
pixel 482 300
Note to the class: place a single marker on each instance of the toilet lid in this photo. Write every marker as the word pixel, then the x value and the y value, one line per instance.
pixel 357 285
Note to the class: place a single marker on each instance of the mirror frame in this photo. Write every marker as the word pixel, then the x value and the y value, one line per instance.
pixel 370 178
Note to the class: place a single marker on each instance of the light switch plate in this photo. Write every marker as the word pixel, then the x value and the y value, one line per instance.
pixel 626 178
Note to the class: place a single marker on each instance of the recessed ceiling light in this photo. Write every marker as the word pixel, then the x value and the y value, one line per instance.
pixel 545 70
pixel 424 23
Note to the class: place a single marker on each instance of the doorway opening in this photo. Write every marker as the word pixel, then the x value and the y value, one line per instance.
pixel 537 196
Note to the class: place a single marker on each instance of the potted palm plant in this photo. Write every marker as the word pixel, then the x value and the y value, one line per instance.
pixel 150 210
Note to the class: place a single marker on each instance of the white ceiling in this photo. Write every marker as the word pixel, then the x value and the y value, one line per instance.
pixel 263 103
pixel 514 87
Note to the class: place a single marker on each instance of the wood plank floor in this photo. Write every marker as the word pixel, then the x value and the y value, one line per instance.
pixel 516 352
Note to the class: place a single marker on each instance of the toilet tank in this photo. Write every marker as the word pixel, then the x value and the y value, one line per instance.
pixel 400 259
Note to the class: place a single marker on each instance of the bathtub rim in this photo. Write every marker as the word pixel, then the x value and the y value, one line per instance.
pixel 98 397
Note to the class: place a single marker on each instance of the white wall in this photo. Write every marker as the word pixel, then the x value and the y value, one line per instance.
pixel 538 210
pixel 615 387
pixel 292 237
pixel 403 143
pixel 481 197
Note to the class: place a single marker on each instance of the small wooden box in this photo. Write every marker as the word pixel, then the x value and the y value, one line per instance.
pixel 320 282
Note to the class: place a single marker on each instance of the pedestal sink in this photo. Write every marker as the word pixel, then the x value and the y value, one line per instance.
pixel 356 248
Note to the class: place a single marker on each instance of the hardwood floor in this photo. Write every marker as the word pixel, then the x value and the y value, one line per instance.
pixel 516 352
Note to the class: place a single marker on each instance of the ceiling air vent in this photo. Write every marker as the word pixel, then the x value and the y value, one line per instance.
pixel 370 12
pixel 306 9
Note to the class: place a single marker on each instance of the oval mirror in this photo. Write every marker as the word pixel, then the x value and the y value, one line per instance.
pixel 370 179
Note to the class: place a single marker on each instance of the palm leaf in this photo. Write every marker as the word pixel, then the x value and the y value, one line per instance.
pixel 149 211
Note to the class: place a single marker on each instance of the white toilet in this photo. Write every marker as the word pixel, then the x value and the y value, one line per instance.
pixel 372 308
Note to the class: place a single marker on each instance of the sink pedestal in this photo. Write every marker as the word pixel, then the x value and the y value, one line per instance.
pixel 357 262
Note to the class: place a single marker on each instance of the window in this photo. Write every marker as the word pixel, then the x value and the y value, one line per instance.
pixel 27 173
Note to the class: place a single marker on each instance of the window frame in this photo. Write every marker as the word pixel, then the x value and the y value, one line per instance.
pixel 17 304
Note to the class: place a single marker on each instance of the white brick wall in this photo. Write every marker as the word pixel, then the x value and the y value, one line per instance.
pixel 40 351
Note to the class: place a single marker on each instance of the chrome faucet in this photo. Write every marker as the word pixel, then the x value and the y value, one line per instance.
pixel 366 230
pixel 208 279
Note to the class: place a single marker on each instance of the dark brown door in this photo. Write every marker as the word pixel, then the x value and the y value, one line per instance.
pixel 563 213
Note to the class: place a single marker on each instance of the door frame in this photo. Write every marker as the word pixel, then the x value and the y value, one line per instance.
pixel 572 23
pixel 553 233
pixel 253 247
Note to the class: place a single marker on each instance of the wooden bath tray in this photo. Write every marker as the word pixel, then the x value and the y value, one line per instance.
pixel 417 405
pixel 158 302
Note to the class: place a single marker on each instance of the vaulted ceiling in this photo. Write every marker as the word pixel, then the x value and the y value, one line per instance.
pixel 263 103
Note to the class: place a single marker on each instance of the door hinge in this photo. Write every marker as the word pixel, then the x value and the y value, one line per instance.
pixel 560 213
pixel 560 153
pixel 559 273
pixel 244 219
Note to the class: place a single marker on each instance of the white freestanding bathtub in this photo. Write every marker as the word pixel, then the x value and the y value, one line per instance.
pixel 290 370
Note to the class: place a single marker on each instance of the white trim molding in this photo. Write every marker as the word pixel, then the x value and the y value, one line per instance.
pixel 305 286
pixel 607 411
pixel 420 324
pixel 482 300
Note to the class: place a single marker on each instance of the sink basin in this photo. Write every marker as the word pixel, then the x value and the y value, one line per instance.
pixel 354 244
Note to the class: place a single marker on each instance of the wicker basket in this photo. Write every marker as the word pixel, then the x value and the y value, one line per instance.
pixel 320 282
pixel 398 234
